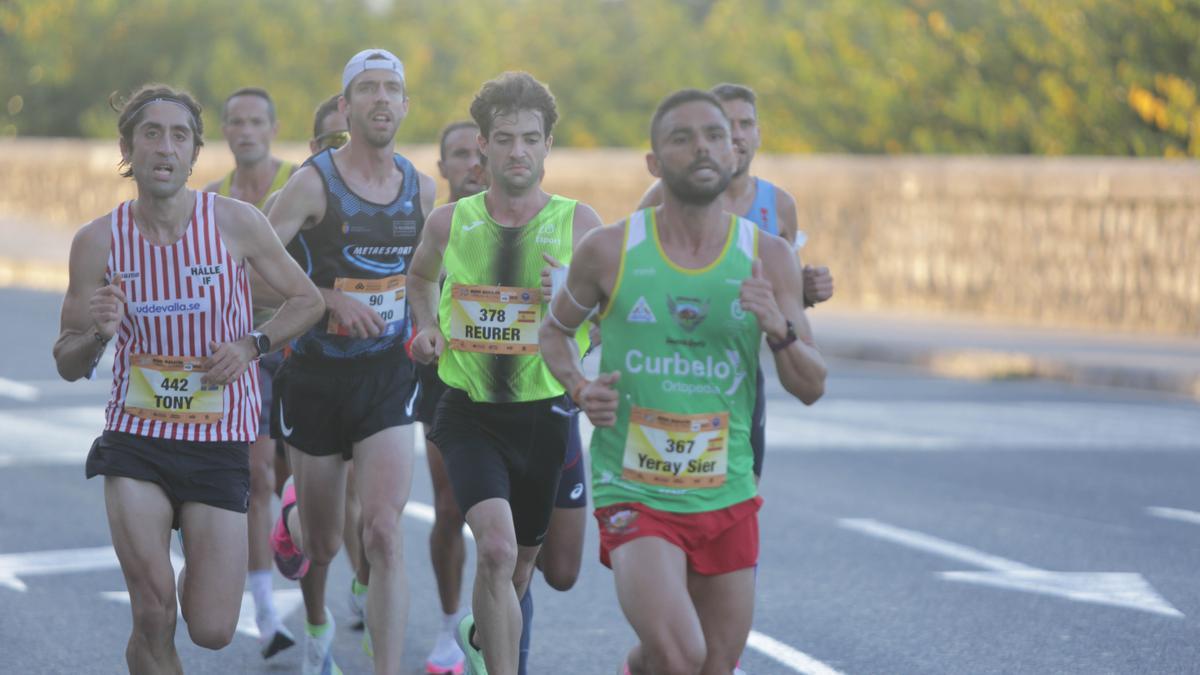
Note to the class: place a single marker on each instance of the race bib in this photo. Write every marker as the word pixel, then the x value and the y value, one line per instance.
pixel 495 319
pixel 678 451
pixel 385 296
pixel 168 389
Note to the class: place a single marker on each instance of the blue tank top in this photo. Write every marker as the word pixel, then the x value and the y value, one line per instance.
pixel 364 250
pixel 762 211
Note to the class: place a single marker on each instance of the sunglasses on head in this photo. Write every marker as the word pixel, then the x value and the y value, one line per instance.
pixel 332 139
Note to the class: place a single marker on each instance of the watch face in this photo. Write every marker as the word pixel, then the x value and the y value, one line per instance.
pixel 262 343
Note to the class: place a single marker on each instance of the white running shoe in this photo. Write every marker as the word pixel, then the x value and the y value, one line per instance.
pixel 446 656
pixel 318 652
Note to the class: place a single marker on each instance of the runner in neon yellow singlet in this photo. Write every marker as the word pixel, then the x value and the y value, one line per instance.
pixel 685 292
pixel 502 424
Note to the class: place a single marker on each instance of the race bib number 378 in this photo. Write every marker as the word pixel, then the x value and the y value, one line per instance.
pixel 168 389
pixel 495 319
pixel 674 450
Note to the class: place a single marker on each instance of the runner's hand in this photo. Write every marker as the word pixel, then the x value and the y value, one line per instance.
pixel 428 345
pixel 818 285
pixel 594 335
pixel 360 320
pixel 547 284
pixel 228 360
pixel 758 296
pixel 599 397
pixel 107 308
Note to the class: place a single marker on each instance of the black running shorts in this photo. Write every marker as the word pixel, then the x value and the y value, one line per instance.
pixel 213 473
pixel 267 367
pixel 321 410
pixel 432 389
pixel 511 451
pixel 758 422
pixel 572 487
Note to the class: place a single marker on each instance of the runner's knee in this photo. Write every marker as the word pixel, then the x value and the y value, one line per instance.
pixel 560 574
pixel 381 535
pixel 211 634
pixel 497 554
pixel 262 477
pixel 154 614
pixel 675 656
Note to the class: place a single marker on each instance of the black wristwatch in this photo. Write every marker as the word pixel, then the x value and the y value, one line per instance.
pixel 788 339
pixel 262 343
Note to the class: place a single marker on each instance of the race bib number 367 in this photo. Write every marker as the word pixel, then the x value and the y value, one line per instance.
pixel 386 296
pixel 168 389
pixel 678 451
pixel 495 319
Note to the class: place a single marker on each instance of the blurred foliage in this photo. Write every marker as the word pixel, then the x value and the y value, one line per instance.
pixel 1111 77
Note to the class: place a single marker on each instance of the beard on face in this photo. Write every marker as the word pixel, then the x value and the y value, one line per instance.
pixel 680 183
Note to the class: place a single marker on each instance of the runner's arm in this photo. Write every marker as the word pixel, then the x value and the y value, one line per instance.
pixel 428 192
pixel 92 308
pixel 596 257
pixel 262 251
pixel 800 366
pixel 785 210
pixel 422 282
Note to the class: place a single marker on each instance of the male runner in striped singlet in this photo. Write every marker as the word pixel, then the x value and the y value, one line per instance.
pixel 248 124
pixel 348 389
pixel 765 204
pixel 686 291
pixel 502 425
pixel 166 274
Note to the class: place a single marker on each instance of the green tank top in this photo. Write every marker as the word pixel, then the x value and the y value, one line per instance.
pixel 281 178
pixel 491 303
pixel 687 353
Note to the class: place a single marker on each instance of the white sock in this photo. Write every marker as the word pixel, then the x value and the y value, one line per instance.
pixel 264 604
pixel 445 649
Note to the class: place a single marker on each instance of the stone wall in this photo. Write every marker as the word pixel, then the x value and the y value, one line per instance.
pixel 1081 242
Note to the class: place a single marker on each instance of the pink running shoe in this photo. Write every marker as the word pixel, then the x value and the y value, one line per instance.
pixel 289 559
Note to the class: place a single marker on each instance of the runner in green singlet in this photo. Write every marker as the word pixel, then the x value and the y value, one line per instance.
pixel 502 424
pixel 685 292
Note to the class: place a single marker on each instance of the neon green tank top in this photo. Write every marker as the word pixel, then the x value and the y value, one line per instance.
pixel 687 353
pixel 281 178
pixel 491 305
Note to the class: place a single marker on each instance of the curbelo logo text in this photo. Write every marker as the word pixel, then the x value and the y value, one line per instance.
pixel 708 375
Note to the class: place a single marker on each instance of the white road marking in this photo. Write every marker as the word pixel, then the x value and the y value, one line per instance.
pixel 1118 589
pixel 789 656
pixel 64 561
pixel 18 390
pixel 1182 515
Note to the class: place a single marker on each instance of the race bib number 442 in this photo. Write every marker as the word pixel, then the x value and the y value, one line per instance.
pixel 386 296
pixel 674 450
pixel 495 319
pixel 168 389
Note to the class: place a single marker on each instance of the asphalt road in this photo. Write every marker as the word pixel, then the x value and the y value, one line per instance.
pixel 911 525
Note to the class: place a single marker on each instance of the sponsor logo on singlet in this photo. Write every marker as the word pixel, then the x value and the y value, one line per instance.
pixel 687 312
pixel 404 228
pixel 547 235
pixel 205 275
pixel 641 312
pixel 167 307
pixel 132 275
pixel 683 375
pixel 377 259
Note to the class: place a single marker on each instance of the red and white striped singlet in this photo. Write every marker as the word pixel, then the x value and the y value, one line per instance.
pixel 179 298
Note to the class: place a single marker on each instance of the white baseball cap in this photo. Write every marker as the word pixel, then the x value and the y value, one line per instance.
pixel 368 59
